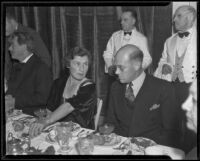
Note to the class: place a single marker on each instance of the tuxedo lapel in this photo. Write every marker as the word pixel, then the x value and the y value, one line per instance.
pixel 141 103
pixel 172 48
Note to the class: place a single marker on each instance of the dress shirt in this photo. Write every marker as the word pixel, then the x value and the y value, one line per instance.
pixel 27 58
pixel 118 39
pixel 182 43
pixel 137 83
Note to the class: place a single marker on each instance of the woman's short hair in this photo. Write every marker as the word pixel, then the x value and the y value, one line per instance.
pixel 77 51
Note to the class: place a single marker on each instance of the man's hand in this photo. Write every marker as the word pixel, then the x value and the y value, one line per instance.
pixel 9 103
pixel 111 70
pixel 166 69
pixel 36 128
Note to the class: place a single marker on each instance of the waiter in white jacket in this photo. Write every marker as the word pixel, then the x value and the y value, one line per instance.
pixel 178 63
pixel 128 35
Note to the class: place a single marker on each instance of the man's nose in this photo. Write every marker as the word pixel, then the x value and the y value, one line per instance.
pixel 117 71
pixel 81 68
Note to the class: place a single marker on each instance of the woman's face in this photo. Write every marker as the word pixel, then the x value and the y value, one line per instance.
pixel 79 67
pixel 190 106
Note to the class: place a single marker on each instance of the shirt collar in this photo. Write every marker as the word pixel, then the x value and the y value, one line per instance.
pixel 139 80
pixel 27 58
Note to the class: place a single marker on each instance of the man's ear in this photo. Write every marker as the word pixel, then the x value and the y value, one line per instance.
pixel 137 65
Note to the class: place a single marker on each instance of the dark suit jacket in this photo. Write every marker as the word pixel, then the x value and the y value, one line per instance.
pixel 31 85
pixel 40 49
pixel 139 119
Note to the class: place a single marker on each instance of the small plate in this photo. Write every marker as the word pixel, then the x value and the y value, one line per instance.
pixel 49 139
pixel 15 113
pixel 111 140
pixel 143 142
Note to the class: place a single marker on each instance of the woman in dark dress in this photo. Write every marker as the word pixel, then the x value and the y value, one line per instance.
pixel 73 96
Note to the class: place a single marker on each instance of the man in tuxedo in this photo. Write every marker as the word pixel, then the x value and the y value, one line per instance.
pixel 127 35
pixel 39 49
pixel 178 63
pixel 141 105
pixel 30 79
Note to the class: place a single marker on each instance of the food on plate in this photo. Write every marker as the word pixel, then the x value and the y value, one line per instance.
pixel 143 142
pixel 18 125
pixel 106 129
pixel 97 139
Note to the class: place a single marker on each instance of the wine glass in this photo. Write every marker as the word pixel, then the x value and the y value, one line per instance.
pixel 85 146
pixel 41 113
pixel 63 137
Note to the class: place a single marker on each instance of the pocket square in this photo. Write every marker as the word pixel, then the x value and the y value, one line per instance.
pixel 155 106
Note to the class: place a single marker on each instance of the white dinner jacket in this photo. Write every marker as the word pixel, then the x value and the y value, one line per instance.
pixel 189 66
pixel 116 42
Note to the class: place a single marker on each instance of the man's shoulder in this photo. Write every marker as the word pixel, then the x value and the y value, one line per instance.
pixel 116 85
pixel 159 82
pixel 171 37
pixel 139 34
pixel 117 33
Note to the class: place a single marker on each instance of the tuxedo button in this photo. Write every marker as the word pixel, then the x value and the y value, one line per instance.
pixel 193 66
pixel 181 66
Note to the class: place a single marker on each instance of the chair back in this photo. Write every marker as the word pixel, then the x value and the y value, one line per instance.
pixel 99 107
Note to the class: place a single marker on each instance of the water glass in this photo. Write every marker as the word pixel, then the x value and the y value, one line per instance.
pixel 85 146
pixel 63 137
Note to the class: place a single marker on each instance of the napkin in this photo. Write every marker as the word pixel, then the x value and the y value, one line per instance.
pixel 174 153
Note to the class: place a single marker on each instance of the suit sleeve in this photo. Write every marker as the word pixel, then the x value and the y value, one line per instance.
pixel 170 120
pixel 42 85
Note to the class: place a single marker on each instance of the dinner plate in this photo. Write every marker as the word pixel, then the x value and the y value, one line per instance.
pixel 15 113
pixel 143 142
pixel 111 140
pixel 50 139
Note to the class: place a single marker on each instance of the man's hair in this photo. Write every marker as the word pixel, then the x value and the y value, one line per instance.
pixel 190 9
pixel 136 55
pixel 133 13
pixel 24 38
pixel 77 51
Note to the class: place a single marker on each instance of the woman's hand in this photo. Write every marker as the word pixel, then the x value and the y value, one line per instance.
pixel 37 127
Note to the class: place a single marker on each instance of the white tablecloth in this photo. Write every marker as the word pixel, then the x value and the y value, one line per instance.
pixel 40 142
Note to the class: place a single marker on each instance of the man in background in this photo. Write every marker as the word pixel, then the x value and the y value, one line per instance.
pixel 178 63
pixel 30 80
pixel 128 35
pixel 39 49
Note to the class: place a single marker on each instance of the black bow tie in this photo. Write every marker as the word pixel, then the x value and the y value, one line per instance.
pixel 181 35
pixel 129 33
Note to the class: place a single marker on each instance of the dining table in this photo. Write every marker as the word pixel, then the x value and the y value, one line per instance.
pixel 122 145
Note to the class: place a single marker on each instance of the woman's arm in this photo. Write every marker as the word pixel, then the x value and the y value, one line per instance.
pixel 62 111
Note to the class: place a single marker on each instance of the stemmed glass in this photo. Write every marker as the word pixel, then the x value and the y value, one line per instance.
pixel 85 146
pixel 63 137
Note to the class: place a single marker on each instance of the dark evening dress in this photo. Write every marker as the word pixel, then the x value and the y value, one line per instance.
pixel 85 102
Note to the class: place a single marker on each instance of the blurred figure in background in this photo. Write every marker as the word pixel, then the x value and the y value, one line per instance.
pixel 39 49
pixel 190 107
pixel 30 80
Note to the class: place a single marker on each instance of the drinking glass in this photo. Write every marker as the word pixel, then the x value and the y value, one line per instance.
pixel 85 146
pixel 41 113
pixel 63 137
